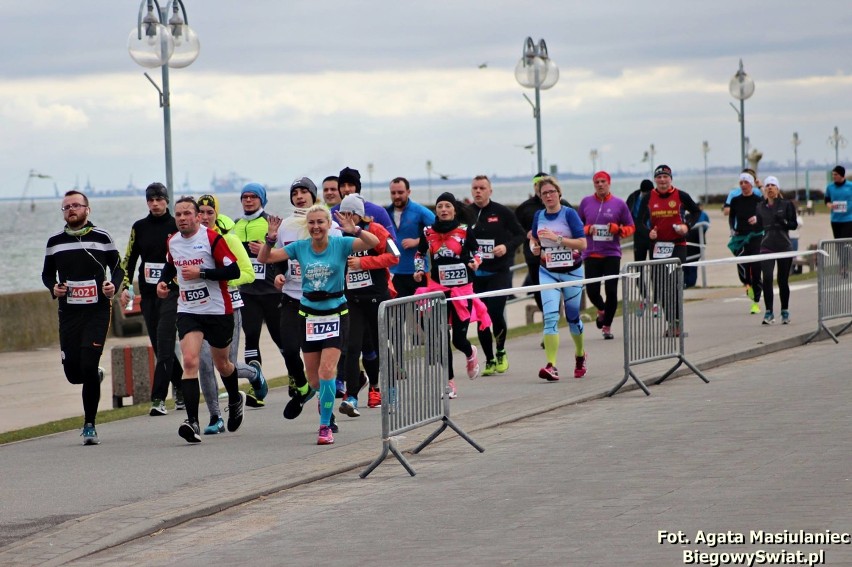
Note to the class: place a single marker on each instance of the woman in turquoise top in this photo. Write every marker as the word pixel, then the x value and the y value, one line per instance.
pixel 323 305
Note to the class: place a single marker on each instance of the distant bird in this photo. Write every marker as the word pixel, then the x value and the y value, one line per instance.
pixel 529 147
pixel 483 65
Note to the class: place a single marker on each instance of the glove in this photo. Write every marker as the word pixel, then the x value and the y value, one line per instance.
pixel 614 229
pixel 588 229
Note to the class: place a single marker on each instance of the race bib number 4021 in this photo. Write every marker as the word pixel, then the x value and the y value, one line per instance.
pixel 81 293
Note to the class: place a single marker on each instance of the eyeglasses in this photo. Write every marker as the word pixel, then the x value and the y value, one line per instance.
pixel 245 196
pixel 548 193
pixel 73 206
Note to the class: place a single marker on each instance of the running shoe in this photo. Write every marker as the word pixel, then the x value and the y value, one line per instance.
pixel 332 424
pixel 340 391
pixel 100 375
pixel 217 425
pixel 607 333
pixel 472 364
pixel 297 402
pixel 640 310
pixel 580 366
pixel 349 407
pixel 490 368
pixel 785 317
pixel 502 361
pixel 451 387
pixel 655 311
pixel 189 431
pixel 755 308
pixel 235 413
pixel 374 398
pixel 90 435
pixel 252 400
pixel 599 321
pixel 259 383
pixel 749 292
pixel 768 318
pixel 549 373
pixel 325 436
pixel 158 407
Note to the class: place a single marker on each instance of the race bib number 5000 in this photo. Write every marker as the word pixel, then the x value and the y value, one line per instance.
pixel 558 257
pixel 319 328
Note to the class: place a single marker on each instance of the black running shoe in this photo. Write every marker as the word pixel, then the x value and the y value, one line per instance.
pixel 235 413
pixel 294 407
pixel 190 432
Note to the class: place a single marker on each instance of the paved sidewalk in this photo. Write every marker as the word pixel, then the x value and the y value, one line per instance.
pixel 764 447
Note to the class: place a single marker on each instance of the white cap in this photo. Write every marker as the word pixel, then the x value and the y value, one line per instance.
pixel 353 203
pixel 747 177
pixel 772 181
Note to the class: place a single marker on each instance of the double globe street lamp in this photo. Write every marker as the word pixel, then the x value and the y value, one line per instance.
pixel 536 70
pixel 160 41
pixel 741 88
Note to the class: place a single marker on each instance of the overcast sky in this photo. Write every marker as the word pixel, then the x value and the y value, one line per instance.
pixel 289 88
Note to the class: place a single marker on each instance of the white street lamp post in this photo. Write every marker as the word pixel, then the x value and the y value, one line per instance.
pixel 536 70
pixel 705 149
pixel 152 44
pixel 796 143
pixel 593 155
pixel 741 88
pixel 838 142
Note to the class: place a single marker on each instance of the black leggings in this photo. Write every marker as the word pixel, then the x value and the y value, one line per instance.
pixel 363 332
pixel 161 321
pixel 496 310
pixel 598 267
pixel 256 310
pixel 81 340
pixel 783 282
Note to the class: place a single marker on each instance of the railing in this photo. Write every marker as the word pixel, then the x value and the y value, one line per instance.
pixel 834 285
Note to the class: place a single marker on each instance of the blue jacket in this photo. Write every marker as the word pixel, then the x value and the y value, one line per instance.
pixel 415 217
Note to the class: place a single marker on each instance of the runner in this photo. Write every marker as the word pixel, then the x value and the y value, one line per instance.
pixel 76 261
pixel 208 209
pixel 147 243
pixel 205 264
pixel 323 309
pixel 367 285
pixel 260 298
pixel 746 235
pixel 778 218
pixel 661 209
pixel 454 257
pixel 498 234
pixel 558 243
pixel 607 220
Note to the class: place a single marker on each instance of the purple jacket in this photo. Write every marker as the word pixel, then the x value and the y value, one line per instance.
pixel 596 213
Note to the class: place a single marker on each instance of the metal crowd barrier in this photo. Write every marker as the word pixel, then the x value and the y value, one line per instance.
pixel 650 334
pixel 834 285
pixel 413 372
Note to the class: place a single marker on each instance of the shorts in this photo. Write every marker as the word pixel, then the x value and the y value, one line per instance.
pixel 337 342
pixel 218 330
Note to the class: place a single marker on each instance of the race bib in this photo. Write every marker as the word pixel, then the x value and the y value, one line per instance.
pixel 195 294
pixel 319 328
pixel 152 272
pixel 601 233
pixel 558 257
pixel 486 248
pixel 259 269
pixel 452 274
pixel 81 293
pixel 294 270
pixel 839 206
pixel 236 297
pixel 663 250
pixel 357 279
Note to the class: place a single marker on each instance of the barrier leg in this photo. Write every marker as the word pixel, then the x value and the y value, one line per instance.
pixel 670 371
pixel 629 374
pixel 447 422
pixel 388 446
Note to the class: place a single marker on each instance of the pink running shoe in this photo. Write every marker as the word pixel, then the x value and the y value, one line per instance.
pixel 549 373
pixel 580 368
pixel 451 385
pixel 325 436
pixel 472 364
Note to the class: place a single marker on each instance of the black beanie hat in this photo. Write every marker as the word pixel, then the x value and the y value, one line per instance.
pixel 646 185
pixel 156 191
pixel 446 196
pixel 349 175
pixel 839 170
pixel 303 183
